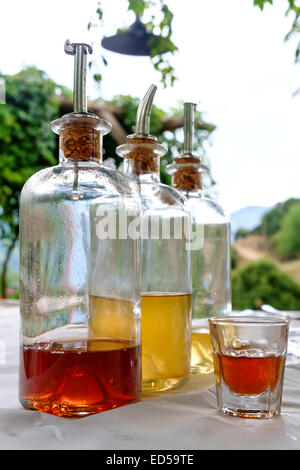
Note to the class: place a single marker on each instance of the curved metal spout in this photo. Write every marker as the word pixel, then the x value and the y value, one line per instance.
pixel 144 112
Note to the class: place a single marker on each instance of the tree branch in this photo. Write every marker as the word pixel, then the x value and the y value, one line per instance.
pixel 114 114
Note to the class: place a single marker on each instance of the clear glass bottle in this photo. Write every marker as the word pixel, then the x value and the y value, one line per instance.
pixel 211 253
pixel 79 287
pixel 166 262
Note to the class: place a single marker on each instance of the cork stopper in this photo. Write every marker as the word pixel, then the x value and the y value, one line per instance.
pixel 187 169
pixel 80 136
pixel 187 178
pixel 141 154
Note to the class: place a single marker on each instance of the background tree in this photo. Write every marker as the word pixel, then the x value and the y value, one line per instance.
pixel 261 282
pixel 242 233
pixel 272 219
pixel 287 240
pixel 26 145
pixel 293 9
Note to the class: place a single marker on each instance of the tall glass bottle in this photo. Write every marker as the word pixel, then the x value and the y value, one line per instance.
pixel 79 284
pixel 166 263
pixel 211 253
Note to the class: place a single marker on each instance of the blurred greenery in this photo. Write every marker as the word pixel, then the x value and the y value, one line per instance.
pixel 262 282
pixel 241 233
pixel 234 257
pixel 287 239
pixel 293 8
pixel 27 144
pixel 271 221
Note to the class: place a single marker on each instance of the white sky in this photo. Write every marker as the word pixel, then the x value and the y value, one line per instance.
pixel 232 61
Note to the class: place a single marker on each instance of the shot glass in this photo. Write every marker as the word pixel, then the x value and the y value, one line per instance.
pixel 249 358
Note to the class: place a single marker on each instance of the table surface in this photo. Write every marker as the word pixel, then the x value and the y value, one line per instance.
pixel 182 419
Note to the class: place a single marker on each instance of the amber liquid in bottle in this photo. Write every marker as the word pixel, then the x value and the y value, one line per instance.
pixel 165 340
pixel 76 378
pixel 72 378
pixel 246 375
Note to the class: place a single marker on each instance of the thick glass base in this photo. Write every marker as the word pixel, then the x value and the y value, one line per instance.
pixel 264 405
pixel 240 413
pixel 67 411
pixel 160 385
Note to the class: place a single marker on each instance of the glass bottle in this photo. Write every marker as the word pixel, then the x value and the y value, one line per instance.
pixel 79 285
pixel 210 248
pixel 166 262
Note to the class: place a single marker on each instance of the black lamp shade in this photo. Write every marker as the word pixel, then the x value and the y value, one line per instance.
pixel 135 41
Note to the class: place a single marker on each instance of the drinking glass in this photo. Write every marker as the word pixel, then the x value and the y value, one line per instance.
pixel 249 358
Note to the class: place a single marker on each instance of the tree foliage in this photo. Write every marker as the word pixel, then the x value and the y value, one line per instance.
pixel 26 145
pixel 242 233
pixel 287 240
pixel 293 8
pixel 261 283
pixel 272 220
pixel 26 142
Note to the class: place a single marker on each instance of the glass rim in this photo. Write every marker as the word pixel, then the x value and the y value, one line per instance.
pixel 249 320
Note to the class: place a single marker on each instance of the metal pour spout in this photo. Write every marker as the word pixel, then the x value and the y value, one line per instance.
pixel 80 51
pixel 189 127
pixel 144 112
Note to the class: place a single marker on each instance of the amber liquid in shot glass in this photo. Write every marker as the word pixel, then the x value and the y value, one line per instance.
pixel 250 374
pixel 249 357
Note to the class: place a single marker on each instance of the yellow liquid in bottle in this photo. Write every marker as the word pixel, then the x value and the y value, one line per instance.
pixel 113 318
pixel 202 357
pixel 165 340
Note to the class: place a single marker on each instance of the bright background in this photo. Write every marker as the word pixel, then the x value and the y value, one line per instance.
pixel 232 61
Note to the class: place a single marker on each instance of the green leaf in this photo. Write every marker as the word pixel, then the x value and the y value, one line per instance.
pixel 97 77
pixel 261 3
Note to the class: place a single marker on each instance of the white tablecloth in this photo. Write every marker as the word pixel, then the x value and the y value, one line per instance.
pixel 183 419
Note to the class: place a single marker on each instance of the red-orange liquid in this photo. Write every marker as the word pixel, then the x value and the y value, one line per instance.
pixel 79 378
pixel 249 375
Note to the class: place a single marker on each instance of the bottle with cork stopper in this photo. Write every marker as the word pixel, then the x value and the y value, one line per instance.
pixel 210 253
pixel 166 260
pixel 79 287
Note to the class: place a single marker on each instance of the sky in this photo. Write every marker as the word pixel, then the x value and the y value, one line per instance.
pixel 232 61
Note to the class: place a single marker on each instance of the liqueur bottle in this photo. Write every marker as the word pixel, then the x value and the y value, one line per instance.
pixel 79 284
pixel 166 262
pixel 210 247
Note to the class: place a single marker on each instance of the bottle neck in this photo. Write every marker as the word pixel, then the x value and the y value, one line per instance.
pixel 142 158
pixel 187 179
pixel 143 171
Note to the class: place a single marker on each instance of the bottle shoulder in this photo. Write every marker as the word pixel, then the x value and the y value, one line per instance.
pixel 159 196
pixel 207 210
pixel 88 179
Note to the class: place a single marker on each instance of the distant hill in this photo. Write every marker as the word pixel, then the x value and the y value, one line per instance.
pixel 247 218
